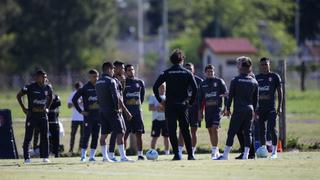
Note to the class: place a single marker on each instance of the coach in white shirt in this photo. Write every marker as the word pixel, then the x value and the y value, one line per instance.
pixel 77 118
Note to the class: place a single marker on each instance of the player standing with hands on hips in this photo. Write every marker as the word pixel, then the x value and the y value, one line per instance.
pixel 178 80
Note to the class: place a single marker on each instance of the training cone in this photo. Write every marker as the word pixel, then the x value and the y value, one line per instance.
pixel 279 148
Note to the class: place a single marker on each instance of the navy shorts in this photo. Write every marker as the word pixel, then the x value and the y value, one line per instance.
pixel 193 116
pixel 159 127
pixel 213 118
pixel 112 121
pixel 135 125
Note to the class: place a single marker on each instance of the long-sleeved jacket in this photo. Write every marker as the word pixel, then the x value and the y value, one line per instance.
pixel 108 96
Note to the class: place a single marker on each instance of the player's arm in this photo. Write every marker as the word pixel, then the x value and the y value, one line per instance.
pixel 19 98
pixel 142 92
pixel 230 97
pixel 255 101
pixel 50 99
pixel 157 84
pixel 70 104
pixel 280 96
pixel 75 101
pixel 194 88
pixel 224 92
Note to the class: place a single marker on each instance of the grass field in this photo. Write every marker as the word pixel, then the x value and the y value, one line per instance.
pixel 289 165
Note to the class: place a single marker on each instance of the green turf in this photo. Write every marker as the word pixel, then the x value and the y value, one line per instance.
pixel 290 165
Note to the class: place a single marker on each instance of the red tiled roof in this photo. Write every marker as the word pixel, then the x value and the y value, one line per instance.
pixel 230 45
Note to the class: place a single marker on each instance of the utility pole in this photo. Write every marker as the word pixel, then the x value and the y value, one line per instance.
pixel 164 36
pixel 140 36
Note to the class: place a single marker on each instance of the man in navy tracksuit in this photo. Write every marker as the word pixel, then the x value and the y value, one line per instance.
pixel 54 128
pixel 178 81
pixel 269 83
pixel 212 92
pixel 109 99
pixel 244 93
pixel 90 112
pixel 133 96
pixel 193 113
pixel 39 95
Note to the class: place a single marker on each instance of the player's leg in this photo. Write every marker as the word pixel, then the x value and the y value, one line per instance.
pixel 95 130
pixel 262 128
pixel 85 139
pixel 74 129
pixel 184 127
pixel 112 146
pixel 155 133
pixel 81 125
pixel 171 116
pixel 165 135
pixel 194 138
pixel 247 124
pixel 272 130
pixel 180 143
pixel 54 138
pixel 105 130
pixel 44 138
pixel 36 146
pixel 138 128
pixel 29 126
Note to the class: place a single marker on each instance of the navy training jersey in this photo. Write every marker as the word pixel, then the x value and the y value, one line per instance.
pixel 39 97
pixel 268 84
pixel 54 109
pixel 198 81
pixel 107 93
pixel 212 91
pixel 244 92
pixel 133 95
pixel 178 81
pixel 90 101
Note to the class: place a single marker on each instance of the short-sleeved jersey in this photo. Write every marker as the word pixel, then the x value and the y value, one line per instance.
pixel 38 96
pixel 160 116
pixel 244 91
pixel 211 92
pixel 90 101
pixel 76 116
pixel 268 84
pixel 133 95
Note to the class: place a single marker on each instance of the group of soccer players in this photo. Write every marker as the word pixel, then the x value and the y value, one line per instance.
pixel 112 105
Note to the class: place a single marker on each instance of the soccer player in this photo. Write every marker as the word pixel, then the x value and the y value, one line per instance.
pixel 54 128
pixel 133 95
pixel 159 122
pixel 212 91
pixel 194 116
pixel 39 96
pixel 110 111
pixel 77 118
pixel 269 82
pixel 178 81
pixel 244 93
pixel 90 112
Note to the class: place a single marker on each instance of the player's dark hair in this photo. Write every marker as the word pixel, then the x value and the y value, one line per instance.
pixel 106 66
pixel 246 65
pixel 209 66
pixel 128 66
pixel 40 72
pixel 93 71
pixel 265 59
pixel 177 56
pixel 189 64
pixel 77 84
pixel 118 63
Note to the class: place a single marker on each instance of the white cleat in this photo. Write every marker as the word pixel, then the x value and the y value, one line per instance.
pixel 222 158
pixel 83 159
pixel 126 159
pixel 114 159
pixel 27 161
pixel 46 160
pixel 215 156
pixel 107 160
pixel 274 156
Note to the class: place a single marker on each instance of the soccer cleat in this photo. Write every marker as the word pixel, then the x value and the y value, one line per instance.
pixel 114 159
pixel 140 158
pixel 27 161
pixel 46 160
pixel 274 156
pixel 191 158
pixel 83 159
pixel 176 158
pixel 92 160
pixel 222 158
pixel 215 155
pixel 251 156
pixel 126 159
pixel 240 156
pixel 107 160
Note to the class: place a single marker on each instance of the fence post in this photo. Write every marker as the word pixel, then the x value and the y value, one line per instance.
pixel 282 118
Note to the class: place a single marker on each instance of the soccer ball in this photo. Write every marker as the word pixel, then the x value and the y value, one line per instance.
pixel 152 154
pixel 262 152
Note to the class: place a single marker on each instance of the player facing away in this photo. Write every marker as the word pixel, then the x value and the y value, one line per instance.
pixel 178 81
pixel 193 113
pixel 90 112
pixel 54 129
pixel 39 95
pixel 244 95
pixel 133 96
pixel 159 122
pixel 212 92
pixel 76 119
pixel 269 82
pixel 110 111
